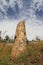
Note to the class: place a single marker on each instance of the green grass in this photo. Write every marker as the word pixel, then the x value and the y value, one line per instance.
pixel 33 55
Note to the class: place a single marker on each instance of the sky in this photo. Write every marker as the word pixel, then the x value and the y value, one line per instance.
pixel 13 11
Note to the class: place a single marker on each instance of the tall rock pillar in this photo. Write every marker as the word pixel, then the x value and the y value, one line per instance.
pixel 20 40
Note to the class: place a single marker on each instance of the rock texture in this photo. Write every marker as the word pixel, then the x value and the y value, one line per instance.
pixel 20 43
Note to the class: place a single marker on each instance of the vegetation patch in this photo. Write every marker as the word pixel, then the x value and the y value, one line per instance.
pixel 33 55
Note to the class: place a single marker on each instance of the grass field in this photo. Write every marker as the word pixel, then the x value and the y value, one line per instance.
pixel 33 56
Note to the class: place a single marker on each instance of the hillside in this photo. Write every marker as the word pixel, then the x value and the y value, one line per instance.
pixel 33 55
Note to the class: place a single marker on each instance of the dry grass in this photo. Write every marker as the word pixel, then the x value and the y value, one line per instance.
pixel 33 55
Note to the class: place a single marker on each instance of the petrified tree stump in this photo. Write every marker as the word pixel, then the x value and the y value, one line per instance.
pixel 20 43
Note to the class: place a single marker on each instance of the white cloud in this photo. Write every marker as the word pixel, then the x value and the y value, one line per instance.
pixel 32 30
pixel 34 27
pixel 8 26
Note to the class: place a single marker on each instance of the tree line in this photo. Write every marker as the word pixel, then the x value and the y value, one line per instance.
pixel 7 39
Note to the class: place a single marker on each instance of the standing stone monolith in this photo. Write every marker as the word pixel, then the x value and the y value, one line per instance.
pixel 20 43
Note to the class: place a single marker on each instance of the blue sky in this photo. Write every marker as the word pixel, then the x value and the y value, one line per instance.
pixel 13 11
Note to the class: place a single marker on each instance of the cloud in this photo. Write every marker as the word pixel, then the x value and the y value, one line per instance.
pixel 32 29
pixel 34 25
pixel 9 27
pixel 27 8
